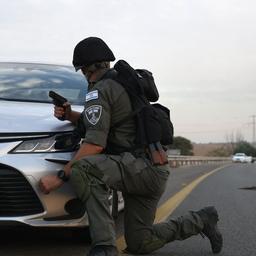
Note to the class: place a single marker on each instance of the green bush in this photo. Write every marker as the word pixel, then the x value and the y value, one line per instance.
pixel 245 147
pixel 185 145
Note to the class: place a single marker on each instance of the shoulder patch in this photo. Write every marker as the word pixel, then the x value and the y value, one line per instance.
pixel 93 114
pixel 93 95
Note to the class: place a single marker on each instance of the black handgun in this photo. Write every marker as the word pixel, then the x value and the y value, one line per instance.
pixel 58 101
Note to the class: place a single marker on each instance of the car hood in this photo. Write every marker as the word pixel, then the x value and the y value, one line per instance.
pixel 27 117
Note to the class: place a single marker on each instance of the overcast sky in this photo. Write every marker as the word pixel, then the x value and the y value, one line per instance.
pixel 202 52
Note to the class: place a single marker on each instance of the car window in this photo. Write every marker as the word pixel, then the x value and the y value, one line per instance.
pixel 32 82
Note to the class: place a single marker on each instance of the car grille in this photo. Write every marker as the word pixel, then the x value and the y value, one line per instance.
pixel 17 197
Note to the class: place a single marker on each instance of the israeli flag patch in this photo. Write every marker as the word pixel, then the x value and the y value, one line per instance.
pixel 93 114
pixel 93 95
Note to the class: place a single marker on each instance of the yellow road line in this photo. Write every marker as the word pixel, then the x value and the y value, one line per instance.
pixel 172 203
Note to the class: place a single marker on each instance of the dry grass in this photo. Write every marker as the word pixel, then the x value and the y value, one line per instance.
pixel 201 149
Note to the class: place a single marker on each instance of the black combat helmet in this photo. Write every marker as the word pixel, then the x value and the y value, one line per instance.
pixel 91 50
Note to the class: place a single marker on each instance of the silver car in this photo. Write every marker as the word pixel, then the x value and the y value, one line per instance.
pixel 28 135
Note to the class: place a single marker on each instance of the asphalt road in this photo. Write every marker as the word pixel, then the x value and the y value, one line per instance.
pixel 236 208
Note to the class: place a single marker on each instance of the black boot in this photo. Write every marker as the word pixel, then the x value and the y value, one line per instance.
pixel 103 250
pixel 210 218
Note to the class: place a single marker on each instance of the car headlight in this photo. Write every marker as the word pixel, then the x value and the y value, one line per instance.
pixel 67 142
pixel 39 145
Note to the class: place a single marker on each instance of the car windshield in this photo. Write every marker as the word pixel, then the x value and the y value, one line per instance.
pixel 32 83
pixel 240 154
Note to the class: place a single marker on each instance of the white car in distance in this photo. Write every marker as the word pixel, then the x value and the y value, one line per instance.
pixel 241 158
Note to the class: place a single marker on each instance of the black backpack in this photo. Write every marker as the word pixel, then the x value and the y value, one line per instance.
pixel 152 120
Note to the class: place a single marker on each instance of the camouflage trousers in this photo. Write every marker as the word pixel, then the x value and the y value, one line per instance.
pixel 142 186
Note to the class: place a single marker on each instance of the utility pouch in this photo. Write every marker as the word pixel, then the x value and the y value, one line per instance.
pixel 157 154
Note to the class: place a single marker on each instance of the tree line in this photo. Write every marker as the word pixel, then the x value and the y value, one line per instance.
pixel 227 149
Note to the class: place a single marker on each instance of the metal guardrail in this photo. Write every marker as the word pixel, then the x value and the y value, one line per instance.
pixel 176 161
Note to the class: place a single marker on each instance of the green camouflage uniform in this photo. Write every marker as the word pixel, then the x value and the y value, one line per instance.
pixel 141 183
